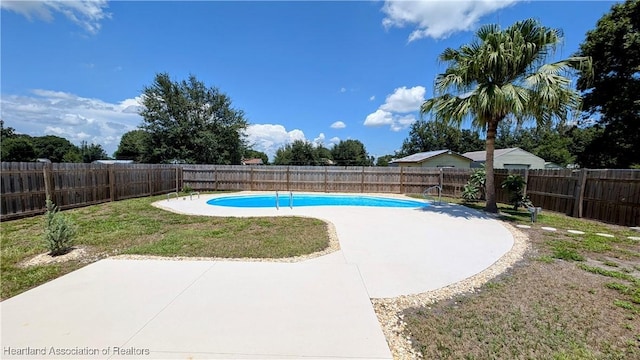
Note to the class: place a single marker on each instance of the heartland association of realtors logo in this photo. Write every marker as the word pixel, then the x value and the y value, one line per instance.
pixel 74 351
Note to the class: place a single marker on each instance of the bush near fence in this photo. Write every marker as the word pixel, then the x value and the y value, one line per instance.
pixel 611 196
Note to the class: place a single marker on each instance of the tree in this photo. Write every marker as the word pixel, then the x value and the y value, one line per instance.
pixel 384 160
pixel 612 96
pixel 133 146
pixel 469 141
pixel 6 132
pixel 299 152
pixel 92 152
pixel 581 140
pixel 52 147
pixel 18 148
pixel 350 153
pixel 324 155
pixel 188 122
pixel 502 73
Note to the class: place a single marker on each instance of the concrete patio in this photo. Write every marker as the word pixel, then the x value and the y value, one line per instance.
pixel 317 308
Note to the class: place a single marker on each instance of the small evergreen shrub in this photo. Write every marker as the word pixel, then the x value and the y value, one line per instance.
pixel 58 231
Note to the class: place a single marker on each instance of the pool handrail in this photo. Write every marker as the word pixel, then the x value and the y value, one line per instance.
pixel 277 201
pixel 291 199
pixel 426 194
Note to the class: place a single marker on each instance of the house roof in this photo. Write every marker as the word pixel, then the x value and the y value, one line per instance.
pixel 482 155
pixel 423 156
pixel 252 162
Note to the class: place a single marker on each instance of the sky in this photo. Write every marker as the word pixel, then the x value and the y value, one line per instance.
pixel 321 71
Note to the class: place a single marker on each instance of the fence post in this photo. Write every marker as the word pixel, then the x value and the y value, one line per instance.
pixel 177 179
pixel 149 177
pixel 251 177
pixel 401 180
pixel 578 193
pixel 526 181
pixel 112 183
pixel 47 172
pixel 325 178
pixel 288 184
pixel 441 179
pixel 215 176
pixel 362 181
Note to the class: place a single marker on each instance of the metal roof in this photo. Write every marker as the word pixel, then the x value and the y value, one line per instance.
pixel 423 156
pixel 482 155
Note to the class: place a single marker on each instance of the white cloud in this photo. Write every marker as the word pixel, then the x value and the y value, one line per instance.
pixel 406 120
pixel 343 90
pixel 319 140
pixel 373 97
pixel 48 112
pixel 394 112
pixel 268 138
pixel 338 125
pixel 379 118
pixel 86 13
pixel 436 18
pixel 404 100
pixel 334 140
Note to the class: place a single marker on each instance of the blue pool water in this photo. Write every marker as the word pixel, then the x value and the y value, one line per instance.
pixel 266 201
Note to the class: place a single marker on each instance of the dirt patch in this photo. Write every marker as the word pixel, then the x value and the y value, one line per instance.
pixel 76 253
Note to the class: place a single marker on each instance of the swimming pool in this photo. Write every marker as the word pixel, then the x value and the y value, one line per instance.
pixel 296 200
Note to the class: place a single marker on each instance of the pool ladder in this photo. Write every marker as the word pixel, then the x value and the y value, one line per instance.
pixel 427 196
pixel 290 200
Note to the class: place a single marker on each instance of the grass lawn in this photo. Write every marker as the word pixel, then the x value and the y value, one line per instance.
pixel 135 227
pixel 572 297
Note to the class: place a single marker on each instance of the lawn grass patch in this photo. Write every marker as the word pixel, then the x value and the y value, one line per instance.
pixel 609 273
pixel 542 311
pixel 136 227
pixel 565 250
pixel 543 308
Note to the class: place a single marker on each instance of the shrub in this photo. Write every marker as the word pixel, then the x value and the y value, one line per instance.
pixel 58 231
pixel 474 189
pixel 470 192
pixel 514 184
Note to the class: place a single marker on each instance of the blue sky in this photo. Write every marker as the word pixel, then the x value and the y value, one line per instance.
pixel 323 71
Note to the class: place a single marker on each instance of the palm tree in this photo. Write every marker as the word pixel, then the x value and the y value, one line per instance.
pixel 504 73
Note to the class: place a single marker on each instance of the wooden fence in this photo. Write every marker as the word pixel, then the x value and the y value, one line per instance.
pixel 611 196
pixel 25 186
pixel 312 178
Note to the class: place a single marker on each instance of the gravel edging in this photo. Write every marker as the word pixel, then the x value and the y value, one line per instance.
pixel 334 245
pixel 389 310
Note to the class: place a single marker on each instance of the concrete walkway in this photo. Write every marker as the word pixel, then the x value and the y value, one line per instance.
pixel 318 308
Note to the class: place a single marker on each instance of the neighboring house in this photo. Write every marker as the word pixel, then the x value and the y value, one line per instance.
pixel 512 158
pixel 252 162
pixel 437 159
pixel 111 162
pixel 552 165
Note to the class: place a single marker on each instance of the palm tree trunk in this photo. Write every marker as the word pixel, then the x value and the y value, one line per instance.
pixel 491 206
